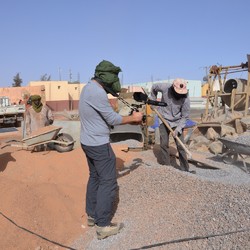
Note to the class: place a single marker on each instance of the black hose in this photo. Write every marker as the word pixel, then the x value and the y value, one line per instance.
pixel 192 238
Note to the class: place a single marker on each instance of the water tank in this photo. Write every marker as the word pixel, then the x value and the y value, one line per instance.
pixel 241 86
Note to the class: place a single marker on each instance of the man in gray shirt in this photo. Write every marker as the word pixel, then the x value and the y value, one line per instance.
pixel 96 116
pixel 176 114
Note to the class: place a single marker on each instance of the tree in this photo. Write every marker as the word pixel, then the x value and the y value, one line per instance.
pixel 45 77
pixel 17 81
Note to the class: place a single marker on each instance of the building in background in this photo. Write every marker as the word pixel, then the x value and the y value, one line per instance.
pixel 60 95
pixel 17 94
pixel 194 86
pixel 63 95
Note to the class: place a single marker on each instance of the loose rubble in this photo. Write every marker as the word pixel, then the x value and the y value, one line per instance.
pixel 164 208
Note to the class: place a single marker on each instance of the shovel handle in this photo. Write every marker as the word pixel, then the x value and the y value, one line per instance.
pixel 176 137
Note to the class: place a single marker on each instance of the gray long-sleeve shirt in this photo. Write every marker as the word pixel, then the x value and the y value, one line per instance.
pixel 96 115
pixel 177 111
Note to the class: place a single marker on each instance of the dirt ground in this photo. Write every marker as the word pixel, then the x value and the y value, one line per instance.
pixel 43 196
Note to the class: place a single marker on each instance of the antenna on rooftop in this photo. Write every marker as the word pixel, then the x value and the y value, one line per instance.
pixel 122 79
pixel 59 71
pixel 78 77
pixel 70 76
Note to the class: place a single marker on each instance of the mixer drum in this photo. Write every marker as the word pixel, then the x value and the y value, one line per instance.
pixel 241 86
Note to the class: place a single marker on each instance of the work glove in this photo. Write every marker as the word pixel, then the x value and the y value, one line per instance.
pixel 49 122
pixel 176 133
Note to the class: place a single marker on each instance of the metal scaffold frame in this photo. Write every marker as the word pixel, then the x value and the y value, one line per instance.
pixel 215 98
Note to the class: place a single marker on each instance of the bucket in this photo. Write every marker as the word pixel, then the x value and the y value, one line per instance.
pixel 241 86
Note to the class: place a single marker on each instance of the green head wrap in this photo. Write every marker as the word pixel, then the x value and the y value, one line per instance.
pixel 107 72
pixel 36 103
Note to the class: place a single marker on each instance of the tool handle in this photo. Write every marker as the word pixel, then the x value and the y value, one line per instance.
pixel 171 130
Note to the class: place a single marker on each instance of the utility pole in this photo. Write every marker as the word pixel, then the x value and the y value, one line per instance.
pixel 206 70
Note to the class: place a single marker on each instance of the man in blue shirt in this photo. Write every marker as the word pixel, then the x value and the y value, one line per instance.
pixel 97 116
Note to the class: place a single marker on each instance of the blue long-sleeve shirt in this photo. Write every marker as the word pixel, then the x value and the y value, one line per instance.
pixel 177 111
pixel 96 115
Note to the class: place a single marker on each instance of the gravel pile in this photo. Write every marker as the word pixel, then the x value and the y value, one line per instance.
pixel 164 208
pixel 244 139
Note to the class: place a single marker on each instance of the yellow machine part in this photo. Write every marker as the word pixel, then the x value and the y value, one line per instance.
pixel 150 116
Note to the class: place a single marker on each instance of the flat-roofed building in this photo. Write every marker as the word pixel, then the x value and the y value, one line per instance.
pixel 61 95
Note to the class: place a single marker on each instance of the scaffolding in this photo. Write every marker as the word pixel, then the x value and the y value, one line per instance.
pixel 233 93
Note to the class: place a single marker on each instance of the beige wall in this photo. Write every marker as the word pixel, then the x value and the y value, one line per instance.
pixel 74 90
pixel 204 90
pixel 61 95
pixel 60 90
pixel 54 90
pixel 22 93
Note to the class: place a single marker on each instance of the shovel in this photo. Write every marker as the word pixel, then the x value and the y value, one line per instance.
pixel 176 137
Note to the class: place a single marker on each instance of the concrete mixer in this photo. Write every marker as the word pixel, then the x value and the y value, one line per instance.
pixel 239 86
pixel 233 93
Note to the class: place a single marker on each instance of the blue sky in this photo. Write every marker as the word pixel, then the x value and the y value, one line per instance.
pixel 148 39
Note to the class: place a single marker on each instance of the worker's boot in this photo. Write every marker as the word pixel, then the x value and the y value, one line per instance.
pixel 192 171
pixel 91 221
pixel 104 232
pixel 187 170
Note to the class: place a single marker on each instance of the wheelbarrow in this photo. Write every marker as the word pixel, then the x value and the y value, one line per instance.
pixel 232 150
pixel 51 135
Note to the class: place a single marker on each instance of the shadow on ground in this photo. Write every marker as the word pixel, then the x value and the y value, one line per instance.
pixel 4 159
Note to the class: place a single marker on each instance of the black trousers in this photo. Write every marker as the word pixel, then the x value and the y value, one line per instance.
pixel 102 184
pixel 164 144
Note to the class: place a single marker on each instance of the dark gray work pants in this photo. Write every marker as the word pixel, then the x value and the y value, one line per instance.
pixel 102 184
pixel 164 144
